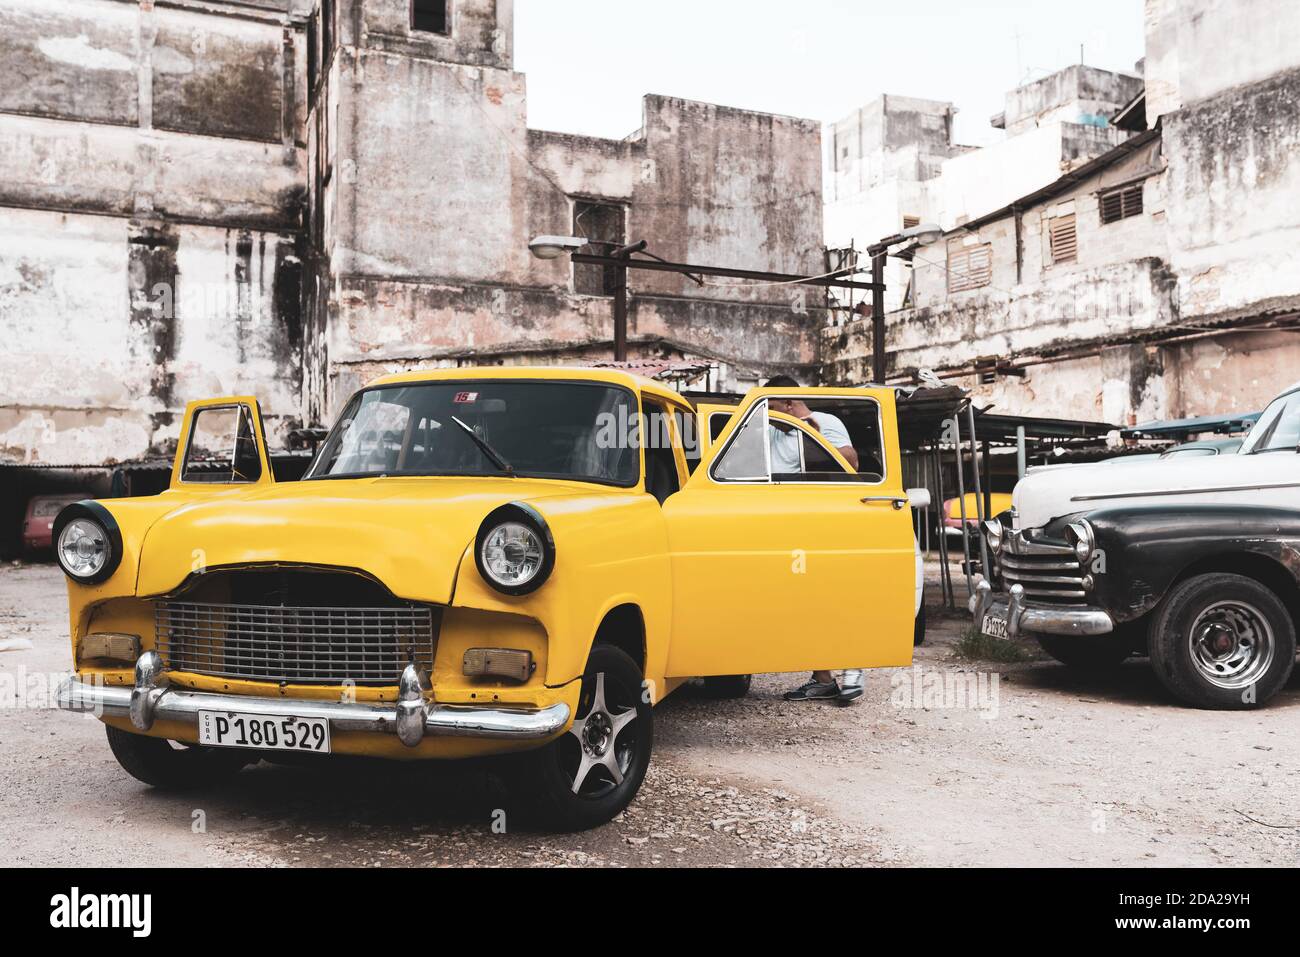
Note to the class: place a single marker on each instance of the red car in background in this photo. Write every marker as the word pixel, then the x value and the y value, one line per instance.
pixel 38 525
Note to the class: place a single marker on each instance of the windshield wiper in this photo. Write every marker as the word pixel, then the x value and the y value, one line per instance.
pixel 486 449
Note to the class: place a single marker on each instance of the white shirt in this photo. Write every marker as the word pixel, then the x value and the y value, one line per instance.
pixel 785 445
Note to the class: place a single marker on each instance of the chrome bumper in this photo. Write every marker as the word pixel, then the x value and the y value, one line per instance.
pixel 1036 619
pixel 410 719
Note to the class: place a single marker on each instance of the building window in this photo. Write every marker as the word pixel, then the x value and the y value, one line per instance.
pixel 911 222
pixel 601 224
pixel 430 16
pixel 1121 203
pixel 969 267
pixel 1062 240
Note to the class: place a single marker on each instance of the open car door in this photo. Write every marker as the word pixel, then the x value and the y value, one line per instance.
pixel 803 567
pixel 222 444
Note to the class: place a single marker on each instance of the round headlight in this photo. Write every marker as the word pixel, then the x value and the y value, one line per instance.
pixel 1080 537
pixel 514 551
pixel 993 534
pixel 87 542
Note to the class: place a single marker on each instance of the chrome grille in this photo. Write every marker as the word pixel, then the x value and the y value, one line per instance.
pixel 296 645
pixel 1049 572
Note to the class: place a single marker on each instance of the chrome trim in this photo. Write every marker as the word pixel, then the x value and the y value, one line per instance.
pixel 462 721
pixel 1186 491
pixel 1038 619
pixel 143 702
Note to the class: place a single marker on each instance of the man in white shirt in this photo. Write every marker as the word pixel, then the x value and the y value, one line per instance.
pixel 785 460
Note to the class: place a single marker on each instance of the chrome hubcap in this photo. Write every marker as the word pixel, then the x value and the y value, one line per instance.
pixel 600 738
pixel 1231 644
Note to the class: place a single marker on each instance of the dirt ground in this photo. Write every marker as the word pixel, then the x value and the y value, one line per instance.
pixel 1029 764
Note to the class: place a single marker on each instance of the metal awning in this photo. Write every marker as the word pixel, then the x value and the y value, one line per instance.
pixel 1174 428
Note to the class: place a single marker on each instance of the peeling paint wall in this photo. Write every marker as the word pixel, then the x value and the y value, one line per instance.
pixel 428 186
pixel 149 215
pixel 1166 314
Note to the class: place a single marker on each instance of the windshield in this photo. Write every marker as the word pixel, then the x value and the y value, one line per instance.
pixel 548 429
pixel 1278 429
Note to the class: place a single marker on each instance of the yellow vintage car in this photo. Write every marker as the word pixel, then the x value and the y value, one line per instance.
pixel 479 561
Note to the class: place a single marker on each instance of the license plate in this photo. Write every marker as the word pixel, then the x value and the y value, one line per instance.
pixel 238 729
pixel 994 626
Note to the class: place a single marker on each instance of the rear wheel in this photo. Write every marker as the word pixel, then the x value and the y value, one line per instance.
pixel 727 686
pixel 918 629
pixel 162 764
pixel 592 772
pixel 1223 641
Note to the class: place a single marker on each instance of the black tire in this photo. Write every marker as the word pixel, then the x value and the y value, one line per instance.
pixel 1257 634
pixel 918 629
pixel 158 764
pixel 1096 654
pixel 727 686
pixel 544 778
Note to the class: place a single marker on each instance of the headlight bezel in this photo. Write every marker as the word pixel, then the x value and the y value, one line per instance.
pixel 1079 535
pixel 94 513
pixel 516 513
pixel 994 532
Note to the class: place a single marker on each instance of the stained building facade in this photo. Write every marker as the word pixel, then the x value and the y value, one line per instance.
pixel 288 197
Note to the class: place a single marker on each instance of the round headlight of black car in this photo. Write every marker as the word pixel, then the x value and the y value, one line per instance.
pixel 1079 536
pixel 514 550
pixel 87 542
pixel 993 534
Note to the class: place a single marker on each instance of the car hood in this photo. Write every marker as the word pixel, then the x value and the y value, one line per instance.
pixel 1222 479
pixel 409 533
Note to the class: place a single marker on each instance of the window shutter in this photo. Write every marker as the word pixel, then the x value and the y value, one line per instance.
pixel 969 267
pixel 1062 239
pixel 1121 203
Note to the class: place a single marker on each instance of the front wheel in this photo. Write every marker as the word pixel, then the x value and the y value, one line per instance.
pixel 592 772
pixel 160 764
pixel 1223 641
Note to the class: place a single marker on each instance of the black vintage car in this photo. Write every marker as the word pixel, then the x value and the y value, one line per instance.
pixel 1195 562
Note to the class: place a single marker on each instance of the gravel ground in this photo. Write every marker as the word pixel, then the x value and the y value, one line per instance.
pixel 1033 766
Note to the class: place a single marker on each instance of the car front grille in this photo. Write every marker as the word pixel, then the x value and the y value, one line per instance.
pixel 296 645
pixel 1049 572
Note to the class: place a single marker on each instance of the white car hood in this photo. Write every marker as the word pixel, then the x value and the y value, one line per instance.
pixel 1267 479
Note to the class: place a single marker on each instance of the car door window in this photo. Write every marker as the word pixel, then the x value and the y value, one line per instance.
pixel 745 459
pixel 222 446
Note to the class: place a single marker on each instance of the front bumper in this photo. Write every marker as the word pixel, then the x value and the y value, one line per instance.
pixel 411 719
pixel 1037 619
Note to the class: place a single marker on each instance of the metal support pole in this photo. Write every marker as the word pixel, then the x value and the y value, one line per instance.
pixel 622 254
pixel 1022 459
pixel 878 316
pixel 945 573
pixel 961 504
pixel 980 513
pixel 620 313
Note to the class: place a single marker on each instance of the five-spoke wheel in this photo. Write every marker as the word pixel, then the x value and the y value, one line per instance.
pixel 593 771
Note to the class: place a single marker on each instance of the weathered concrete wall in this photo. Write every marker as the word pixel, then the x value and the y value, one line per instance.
pixel 1078 94
pixel 152 190
pixel 1197 49
pixel 109 329
pixel 979 181
pixel 1234 204
pixel 433 185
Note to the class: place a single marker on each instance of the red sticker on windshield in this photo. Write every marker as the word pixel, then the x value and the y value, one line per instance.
pixel 463 397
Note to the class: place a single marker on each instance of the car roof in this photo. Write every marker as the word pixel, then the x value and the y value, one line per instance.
pixel 630 380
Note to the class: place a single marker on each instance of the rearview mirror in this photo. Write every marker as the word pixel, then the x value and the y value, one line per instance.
pixel 919 497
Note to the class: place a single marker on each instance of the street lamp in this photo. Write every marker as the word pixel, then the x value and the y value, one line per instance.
pixel 923 235
pixel 553 247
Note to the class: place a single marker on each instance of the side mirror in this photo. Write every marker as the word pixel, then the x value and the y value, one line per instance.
pixel 918 497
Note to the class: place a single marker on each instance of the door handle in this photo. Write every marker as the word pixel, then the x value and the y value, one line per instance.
pixel 894 500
